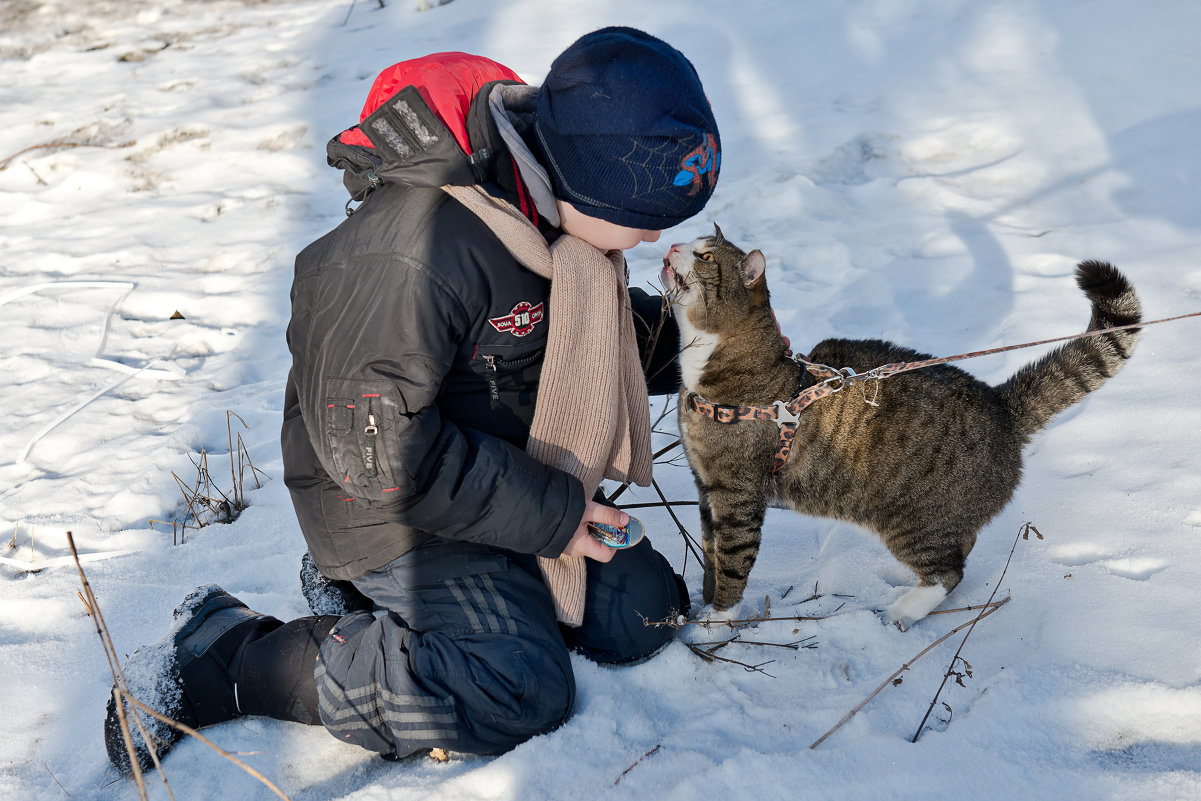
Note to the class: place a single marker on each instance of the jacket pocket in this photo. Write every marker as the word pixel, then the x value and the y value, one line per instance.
pixel 511 373
pixel 362 424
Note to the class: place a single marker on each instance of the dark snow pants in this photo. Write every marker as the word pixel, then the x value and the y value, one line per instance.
pixel 469 657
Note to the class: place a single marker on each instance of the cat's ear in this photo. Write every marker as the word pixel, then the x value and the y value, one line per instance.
pixel 717 234
pixel 752 269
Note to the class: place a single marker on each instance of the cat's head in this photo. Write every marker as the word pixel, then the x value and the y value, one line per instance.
pixel 713 283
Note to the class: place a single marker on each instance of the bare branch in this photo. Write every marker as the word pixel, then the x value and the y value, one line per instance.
pixel 55 145
pixel 1023 533
pixel 709 656
pixel 631 767
pixel 121 693
pixel 188 730
pixel 905 667
pixel 689 542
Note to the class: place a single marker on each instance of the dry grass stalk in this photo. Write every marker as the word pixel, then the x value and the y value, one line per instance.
pixel 85 603
pixel 709 656
pixel 689 542
pixel 178 529
pixel 905 667
pixel 114 666
pixel 56 781
pixel 617 493
pixel 188 730
pixel 205 501
pixel 795 645
pixel 966 608
pixel 48 145
pixel 748 621
pixel 237 472
pixel 639 759
pixel 1023 533
pixel 121 692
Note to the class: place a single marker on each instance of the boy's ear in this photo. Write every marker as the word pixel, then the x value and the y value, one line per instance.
pixel 753 267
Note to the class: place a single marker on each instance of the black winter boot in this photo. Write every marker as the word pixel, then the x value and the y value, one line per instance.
pixel 328 596
pixel 187 675
pixel 275 672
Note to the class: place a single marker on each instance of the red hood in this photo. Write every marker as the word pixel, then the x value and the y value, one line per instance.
pixel 447 82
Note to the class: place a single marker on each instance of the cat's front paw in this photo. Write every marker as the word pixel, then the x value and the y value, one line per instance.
pixel 711 624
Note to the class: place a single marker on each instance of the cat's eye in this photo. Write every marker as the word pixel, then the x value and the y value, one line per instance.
pixel 706 256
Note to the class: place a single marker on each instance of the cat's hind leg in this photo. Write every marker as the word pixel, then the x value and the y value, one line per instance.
pixel 939 566
pixel 915 605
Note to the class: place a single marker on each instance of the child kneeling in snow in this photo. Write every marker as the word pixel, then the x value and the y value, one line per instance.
pixel 429 484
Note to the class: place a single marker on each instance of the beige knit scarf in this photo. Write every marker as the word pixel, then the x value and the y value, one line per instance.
pixel 592 418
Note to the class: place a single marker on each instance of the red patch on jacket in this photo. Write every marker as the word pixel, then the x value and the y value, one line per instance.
pixel 521 320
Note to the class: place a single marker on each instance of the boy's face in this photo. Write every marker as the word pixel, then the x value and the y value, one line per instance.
pixel 601 234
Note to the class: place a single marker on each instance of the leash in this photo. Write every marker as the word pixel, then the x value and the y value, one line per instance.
pixel 785 414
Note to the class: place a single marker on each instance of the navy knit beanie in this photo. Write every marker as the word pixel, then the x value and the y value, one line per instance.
pixel 626 132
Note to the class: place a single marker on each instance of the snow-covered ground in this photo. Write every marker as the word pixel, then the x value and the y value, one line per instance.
pixel 928 172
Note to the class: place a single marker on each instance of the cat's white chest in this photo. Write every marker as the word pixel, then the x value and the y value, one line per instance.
pixel 695 349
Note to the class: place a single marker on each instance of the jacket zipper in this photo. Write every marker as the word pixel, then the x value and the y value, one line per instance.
pixel 491 360
pixel 494 362
pixel 493 389
pixel 369 434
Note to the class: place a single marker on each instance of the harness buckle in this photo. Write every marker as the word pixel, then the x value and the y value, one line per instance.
pixel 844 377
pixel 732 410
pixel 783 415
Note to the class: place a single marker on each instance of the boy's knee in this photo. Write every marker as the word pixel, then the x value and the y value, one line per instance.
pixel 527 690
pixel 631 602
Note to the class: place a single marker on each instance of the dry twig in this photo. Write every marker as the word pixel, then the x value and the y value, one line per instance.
pixel 795 645
pixel 966 608
pixel 905 667
pixel 748 621
pixel 114 666
pixel 56 781
pixel 689 542
pixel 709 656
pixel 657 504
pixel 188 730
pixel 1023 533
pixel 639 759
pixel 121 693
pixel 617 493
pixel 5 162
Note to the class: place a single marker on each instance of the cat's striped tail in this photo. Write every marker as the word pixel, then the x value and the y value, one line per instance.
pixel 1044 388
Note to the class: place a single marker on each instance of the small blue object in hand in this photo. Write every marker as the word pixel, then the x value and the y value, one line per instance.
pixel 625 536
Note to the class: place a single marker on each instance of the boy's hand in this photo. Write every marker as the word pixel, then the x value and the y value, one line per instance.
pixel 584 544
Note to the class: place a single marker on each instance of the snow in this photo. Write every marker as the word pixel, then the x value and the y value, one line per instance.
pixel 928 172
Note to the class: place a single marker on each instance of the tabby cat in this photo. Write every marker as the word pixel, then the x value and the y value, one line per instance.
pixel 925 467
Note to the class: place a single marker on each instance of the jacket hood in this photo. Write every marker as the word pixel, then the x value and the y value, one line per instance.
pixel 421 125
